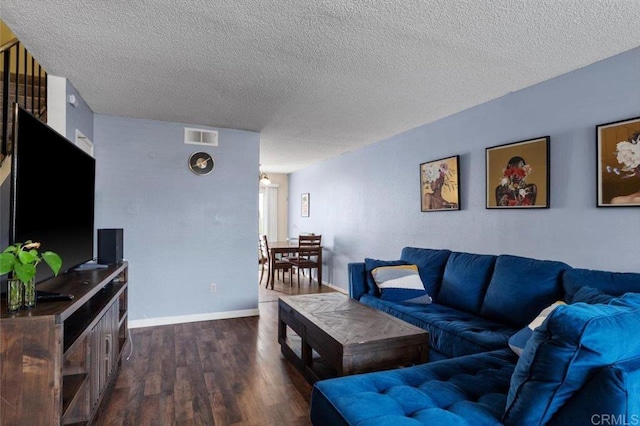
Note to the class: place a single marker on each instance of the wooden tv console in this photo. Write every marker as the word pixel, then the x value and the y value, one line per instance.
pixel 57 360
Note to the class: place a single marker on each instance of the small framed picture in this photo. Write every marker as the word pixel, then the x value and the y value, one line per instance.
pixel 517 175
pixel 439 185
pixel 618 168
pixel 304 205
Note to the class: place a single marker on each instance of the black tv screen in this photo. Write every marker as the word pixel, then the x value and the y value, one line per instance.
pixel 53 188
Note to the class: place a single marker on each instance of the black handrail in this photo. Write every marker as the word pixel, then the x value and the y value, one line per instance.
pixel 36 103
pixel 5 104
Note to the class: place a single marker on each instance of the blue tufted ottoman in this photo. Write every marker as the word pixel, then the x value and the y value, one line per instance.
pixel 580 367
pixel 448 392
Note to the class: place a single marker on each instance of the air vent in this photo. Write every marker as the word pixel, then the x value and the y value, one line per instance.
pixel 200 137
pixel 84 143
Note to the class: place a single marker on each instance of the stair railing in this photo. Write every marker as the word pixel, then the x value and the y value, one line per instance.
pixel 30 89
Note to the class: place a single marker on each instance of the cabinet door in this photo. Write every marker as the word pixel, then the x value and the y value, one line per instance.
pixel 111 339
pixel 96 363
pixel 30 371
pixel 103 352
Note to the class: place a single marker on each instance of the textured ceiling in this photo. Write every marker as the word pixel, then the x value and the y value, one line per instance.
pixel 315 78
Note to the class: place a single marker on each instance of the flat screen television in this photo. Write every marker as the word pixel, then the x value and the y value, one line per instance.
pixel 52 193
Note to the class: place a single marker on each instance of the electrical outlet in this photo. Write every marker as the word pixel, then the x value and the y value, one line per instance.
pixel 212 288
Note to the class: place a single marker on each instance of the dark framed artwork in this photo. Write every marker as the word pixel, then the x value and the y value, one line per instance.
pixel 618 158
pixel 304 205
pixel 517 175
pixel 440 184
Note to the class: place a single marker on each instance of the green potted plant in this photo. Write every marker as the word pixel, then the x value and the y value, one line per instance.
pixel 21 260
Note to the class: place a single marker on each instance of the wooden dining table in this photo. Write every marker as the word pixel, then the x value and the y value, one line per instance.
pixel 287 247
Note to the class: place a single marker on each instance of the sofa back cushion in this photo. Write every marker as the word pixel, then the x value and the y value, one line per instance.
pixel 520 288
pixel 568 349
pixel 430 264
pixel 465 280
pixel 613 283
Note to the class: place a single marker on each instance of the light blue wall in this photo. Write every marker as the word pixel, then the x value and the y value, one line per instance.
pixel 367 204
pixel 79 117
pixel 182 232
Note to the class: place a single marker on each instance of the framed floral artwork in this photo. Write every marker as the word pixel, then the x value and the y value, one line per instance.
pixel 304 205
pixel 618 157
pixel 439 185
pixel 517 175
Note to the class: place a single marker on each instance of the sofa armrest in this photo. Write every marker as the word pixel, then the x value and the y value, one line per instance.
pixel 610 396
pixel 357 280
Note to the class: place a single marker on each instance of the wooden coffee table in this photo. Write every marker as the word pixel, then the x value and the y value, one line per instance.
pixel 337 336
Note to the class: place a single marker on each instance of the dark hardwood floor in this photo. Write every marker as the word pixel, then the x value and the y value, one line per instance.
pixel 224 372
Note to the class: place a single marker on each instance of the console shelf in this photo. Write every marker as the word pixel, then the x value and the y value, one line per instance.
pixel 73 348
pixel 82 320
pixel 70 389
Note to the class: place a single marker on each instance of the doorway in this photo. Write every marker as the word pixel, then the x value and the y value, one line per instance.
pixel 268 212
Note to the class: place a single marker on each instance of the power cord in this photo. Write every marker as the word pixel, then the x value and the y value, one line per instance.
pixel 130 344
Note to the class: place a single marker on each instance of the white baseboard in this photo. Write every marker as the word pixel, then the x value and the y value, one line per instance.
pixel 152 322
pixel 336 288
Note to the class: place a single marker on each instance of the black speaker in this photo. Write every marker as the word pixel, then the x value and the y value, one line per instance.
pixel 110 246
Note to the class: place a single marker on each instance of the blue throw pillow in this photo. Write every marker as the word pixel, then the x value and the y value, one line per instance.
pixel 400 283
pixel 370 265
pixel 591 296
pixel 573 344
pixel 518 341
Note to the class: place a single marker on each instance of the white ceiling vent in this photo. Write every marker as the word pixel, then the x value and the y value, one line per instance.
pixel 84 143
pixel 200 137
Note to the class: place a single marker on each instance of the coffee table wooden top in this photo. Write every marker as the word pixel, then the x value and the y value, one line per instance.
pixel 350 322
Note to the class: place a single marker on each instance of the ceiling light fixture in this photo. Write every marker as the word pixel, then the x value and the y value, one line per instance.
pixel 264 179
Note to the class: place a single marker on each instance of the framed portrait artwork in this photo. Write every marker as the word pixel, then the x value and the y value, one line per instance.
pixel 439 185
pixel 618 168
pixel 304 205
pixel 517 175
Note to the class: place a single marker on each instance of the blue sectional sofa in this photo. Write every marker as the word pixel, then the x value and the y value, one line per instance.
pixel 582 366
pixel 479 300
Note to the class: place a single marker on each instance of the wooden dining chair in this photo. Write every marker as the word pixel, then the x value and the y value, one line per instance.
pixel 306 241
pixel 277 265
pixel 308 255
pixel 310 240
pixel 263 260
